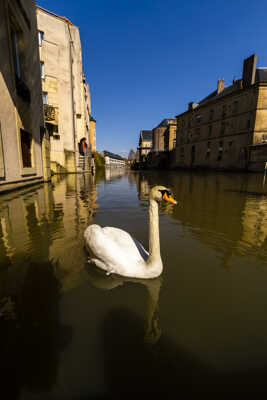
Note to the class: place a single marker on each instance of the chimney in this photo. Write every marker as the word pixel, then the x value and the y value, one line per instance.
pixel 249 70
pixel 192 106
pixel 220 85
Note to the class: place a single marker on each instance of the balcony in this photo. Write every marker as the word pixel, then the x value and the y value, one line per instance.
pixel 51 114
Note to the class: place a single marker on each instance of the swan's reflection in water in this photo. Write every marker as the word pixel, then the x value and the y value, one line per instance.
pixel 98 279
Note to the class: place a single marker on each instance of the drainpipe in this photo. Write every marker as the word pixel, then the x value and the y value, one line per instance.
pixel 72 100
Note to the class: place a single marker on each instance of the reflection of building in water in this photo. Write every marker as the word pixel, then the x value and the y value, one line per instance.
pixel 142 187
pixel 24 219
pixel 75 196
pixel 254 222
pixel 46 223
pixel 113 173
pixel 226 212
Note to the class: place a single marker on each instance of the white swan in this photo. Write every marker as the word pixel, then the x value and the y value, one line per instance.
pixel 115 251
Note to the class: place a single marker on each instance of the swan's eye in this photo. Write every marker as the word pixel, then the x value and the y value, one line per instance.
pixel 168 193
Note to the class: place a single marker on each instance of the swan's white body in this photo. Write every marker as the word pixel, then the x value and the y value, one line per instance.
pixel 116 251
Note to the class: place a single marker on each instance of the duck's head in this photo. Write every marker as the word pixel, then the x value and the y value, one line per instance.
pixel 160 193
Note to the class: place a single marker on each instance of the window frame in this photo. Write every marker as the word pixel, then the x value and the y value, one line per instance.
pixel 42 68
pixel 40 38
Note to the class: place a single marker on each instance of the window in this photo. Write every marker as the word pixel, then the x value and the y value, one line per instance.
pixel 198 119
pixel 235 106
pixel 208 150
pixel 26 142
pixel 248 123
pixel 16 54
pixel 198 131
pixel 264 138
pixel 210 130
pixel 220 152
pixel 211 114
pixel 40 37
pixel 42 70
pixel 222 128
pixel 45 98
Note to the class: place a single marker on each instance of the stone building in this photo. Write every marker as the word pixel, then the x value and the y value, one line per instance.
pixel 145 145
pixel 92 134
pixel 228 128
pixel 22 132
pixel 66 94
pixel 163 136
pixel 113 160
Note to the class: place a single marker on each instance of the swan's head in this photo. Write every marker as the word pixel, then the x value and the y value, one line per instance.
pixel 160 193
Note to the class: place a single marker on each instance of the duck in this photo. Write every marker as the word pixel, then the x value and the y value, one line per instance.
pixel 116 251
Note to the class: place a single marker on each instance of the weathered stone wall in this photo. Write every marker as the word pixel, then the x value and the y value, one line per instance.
pixel 218 133
pixel 20 88
pixel 64 83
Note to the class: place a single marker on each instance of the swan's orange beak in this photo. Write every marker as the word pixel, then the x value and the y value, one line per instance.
pixel 170 199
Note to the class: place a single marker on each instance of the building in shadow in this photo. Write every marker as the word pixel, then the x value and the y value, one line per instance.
pixel 22 132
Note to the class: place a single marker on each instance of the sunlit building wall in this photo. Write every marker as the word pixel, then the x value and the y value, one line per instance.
pixel 65 92
pixel 227 129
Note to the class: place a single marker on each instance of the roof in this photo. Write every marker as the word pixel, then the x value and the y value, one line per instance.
pixel 112 155
pixel 261 75
pixel 54 15
pixel 146 135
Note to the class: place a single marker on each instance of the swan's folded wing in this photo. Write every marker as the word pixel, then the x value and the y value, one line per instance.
pixel 126 241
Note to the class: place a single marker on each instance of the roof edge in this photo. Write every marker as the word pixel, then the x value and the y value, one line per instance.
pixel 54 15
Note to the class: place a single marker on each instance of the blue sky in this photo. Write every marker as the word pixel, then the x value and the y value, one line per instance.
pixel 145 60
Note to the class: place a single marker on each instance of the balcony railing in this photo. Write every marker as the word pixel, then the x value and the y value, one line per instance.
pixel 51 114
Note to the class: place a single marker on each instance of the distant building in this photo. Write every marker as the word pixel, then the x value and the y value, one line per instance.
pixel 164 135
pixel 145 145
pixel 113 160
pixel 22 133
pixel 66 94
pixel 92 134
pixel 228 128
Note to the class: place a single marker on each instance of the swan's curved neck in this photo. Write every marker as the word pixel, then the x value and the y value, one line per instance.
pixel 154 244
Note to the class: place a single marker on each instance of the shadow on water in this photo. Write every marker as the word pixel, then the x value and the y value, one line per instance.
pixel 134 368
pixel 31 335
pixel 149 363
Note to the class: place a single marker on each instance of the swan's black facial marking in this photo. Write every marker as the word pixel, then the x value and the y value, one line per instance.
pixel 168 193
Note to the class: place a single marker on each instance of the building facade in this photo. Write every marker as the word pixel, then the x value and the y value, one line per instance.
pixel 163 135
pixel 22 132
pixel 145 145
pixel 66 94
pixel 228 128
pixel 113 160
pixel 92 134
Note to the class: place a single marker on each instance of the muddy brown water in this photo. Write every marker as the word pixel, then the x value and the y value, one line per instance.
pixel 68 331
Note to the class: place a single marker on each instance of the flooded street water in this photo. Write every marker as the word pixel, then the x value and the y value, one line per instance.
pixel 68 331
